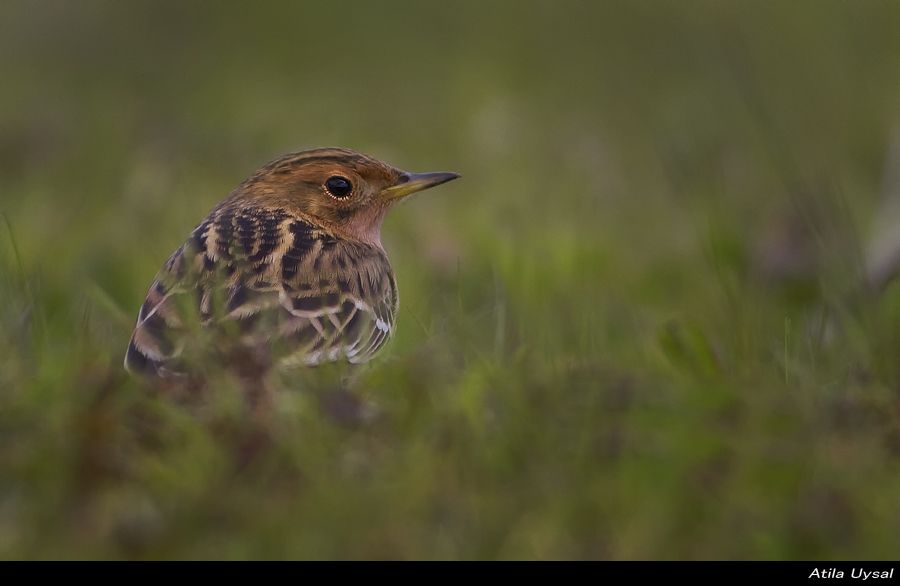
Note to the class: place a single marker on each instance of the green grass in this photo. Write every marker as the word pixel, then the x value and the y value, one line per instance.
pixel 633 329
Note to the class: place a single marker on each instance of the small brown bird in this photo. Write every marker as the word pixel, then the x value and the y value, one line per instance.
pixel 289 268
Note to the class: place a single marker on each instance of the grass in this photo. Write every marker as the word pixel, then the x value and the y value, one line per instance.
pixel 634 329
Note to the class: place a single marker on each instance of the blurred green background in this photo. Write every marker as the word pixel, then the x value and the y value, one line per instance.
pixel 634 329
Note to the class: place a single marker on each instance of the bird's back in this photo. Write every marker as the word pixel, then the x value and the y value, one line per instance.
pixel 268 280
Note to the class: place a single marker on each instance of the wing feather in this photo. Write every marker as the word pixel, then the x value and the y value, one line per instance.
pixel 306 296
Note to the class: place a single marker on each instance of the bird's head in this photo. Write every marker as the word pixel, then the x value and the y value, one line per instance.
pixel 343 190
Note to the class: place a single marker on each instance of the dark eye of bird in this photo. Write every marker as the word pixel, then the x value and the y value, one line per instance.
pixel 338 186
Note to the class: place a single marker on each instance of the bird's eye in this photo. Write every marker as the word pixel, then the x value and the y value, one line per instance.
pixel 339 187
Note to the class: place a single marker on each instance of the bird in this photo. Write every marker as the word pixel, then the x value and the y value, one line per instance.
pixel 287 271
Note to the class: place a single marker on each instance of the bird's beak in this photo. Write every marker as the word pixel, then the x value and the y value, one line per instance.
pixel 410 183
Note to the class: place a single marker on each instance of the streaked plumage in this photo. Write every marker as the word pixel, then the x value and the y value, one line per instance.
pixel 283 267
